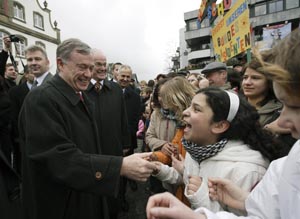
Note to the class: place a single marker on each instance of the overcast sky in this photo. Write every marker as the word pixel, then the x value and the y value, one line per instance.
pixel 142 34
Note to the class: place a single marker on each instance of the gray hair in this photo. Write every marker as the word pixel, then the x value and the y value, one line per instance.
pixel 34 48
pixel 65 49
pixel 125 68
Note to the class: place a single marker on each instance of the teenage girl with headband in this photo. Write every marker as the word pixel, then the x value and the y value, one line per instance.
pixel 223 139
pixel 278 193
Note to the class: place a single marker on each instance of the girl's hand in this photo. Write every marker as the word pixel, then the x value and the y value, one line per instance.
pixel 194 184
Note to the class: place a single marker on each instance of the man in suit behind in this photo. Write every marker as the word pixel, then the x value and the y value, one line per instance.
pixel 115 70
pixel 37 72
pixel 38 64
pixel 133 104
pixel 111 118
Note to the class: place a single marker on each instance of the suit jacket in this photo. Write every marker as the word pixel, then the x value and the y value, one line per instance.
pixel 47 78
pixel 17 96
pixel 64 173
pixel 133 104
pixel 18 93
pixel 111 117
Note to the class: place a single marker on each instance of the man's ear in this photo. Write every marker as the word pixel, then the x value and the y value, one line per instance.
pixel 224 74
pixel 59 63
pixel 220 127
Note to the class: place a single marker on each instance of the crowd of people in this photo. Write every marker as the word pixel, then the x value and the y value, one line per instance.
pixel 220 143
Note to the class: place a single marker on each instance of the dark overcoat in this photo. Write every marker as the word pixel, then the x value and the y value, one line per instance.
pixel 111 117
pixel 133 109
pixel 10 204
pixel 64 173
pixel 9 180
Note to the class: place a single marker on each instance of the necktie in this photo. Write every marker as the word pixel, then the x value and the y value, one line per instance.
pixel 98 86
pixel 82 101
pixel 34 84
pixel 80 96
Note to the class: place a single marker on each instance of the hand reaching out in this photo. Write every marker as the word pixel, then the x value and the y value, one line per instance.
pixel 194 184
pixel 166 206
pixel 168 149
pixel 178 164
pixel 7 43
pixel 225 191
pixel 157 167
pixel 137 167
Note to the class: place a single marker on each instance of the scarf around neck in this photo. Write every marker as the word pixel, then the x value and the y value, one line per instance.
pixel 200 152
pixel 168 114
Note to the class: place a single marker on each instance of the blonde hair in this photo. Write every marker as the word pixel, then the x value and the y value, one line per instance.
pixel 177 95
pixel 143 82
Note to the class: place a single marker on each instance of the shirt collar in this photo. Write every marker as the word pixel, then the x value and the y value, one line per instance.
pixel 93 81
pixel 29 85
pixel 41 78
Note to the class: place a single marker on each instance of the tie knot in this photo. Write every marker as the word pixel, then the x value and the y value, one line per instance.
pixel 98 86
pixel 34 84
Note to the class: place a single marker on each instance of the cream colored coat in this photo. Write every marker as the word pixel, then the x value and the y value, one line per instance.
pixel 237 162
pixel 160 131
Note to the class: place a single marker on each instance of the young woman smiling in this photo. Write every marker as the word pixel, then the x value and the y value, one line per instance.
pixel 258 90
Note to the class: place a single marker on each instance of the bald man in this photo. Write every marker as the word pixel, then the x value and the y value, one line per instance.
pixel 111 117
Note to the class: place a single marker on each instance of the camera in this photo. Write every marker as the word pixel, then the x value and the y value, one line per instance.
pixel 14 38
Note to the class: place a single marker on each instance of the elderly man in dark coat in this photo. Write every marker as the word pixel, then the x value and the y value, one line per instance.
pixel 111 118
pixel 64 173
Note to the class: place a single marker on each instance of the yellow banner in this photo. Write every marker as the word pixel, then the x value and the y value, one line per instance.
pixel 231 35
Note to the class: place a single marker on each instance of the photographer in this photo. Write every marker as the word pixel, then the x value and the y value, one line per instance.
pixel 7 71
pixel 9 179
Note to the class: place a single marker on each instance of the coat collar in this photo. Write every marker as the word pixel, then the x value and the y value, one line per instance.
pixel 66 90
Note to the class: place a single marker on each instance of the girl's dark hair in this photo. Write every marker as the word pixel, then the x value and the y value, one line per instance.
pixel 156 89
pixel 257 65
pixel 245 126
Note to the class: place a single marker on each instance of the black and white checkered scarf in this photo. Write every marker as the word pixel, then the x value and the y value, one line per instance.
pixel 200 152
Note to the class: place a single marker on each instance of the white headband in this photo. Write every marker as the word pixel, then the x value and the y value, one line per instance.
pixel 234 105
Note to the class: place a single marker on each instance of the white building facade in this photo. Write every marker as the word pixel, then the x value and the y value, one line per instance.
pixel 31 23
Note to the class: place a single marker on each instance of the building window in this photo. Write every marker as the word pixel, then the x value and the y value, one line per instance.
pixel 19 11
pixel 205 23
pixel 192 25
pixel 275 6
pixel 20 47
pixel 38 20
pixel 205 46
pixel 260 10
pixel 41 44
pixel 291 4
